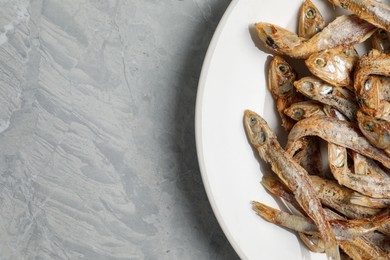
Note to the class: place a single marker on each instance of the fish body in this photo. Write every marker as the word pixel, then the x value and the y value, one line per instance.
pixel 344 229
pixel 373 184
pixel 338 197
pixel 373 11
pixel 291 174
pixel 336 131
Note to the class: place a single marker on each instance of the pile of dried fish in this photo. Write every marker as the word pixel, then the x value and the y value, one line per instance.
pixel 346 103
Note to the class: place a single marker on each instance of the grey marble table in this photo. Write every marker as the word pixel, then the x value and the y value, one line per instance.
pixel 98 157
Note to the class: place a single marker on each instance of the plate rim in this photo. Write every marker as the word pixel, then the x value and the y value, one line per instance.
pixel 198 125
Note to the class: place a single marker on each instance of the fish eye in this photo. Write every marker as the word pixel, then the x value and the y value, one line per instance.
pixel 320 62
pixel 252 120
pixel 383 34
pixel 271 43
pixel 308 86
pixel 310 13
pixel 298 113
pixel 369 126
pixel 283 68
pixel 261 137
pixel 368 84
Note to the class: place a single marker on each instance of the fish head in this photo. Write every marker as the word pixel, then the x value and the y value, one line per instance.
pixel 311 86
pixel 281 77
pixel 310 20
pixel 256 128
pixel 376 130
pixel 300 110
pixel 276 37
pixel 333 66
pixel 295 112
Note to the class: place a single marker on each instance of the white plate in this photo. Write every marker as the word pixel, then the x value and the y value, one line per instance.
pixel 232 80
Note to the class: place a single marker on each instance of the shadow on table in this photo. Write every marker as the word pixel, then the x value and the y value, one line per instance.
pixel 190 182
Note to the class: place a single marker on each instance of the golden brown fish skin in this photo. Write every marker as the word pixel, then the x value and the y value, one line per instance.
pixel 374 99
pixel 313 242
pixel 276 187
pixel 372 90
pixel 372 11
pixel 379 239
pixel 359 199
pixel 359 163
pixel 297 223
pixel 336 97
pixel 338 197
pixel 333 112
pixel 334 65
pixel 369 97
pixel 380 41
pixel 342 196
pixel 377 131
pixel 342 228
pixel 384 110
pixel 366 166
pixel 304 109
pixel 371 184
pixel 310 20
pixel 362 248
pixel 375 63
pixel 384 89
pixel 330 194
pixel 310 157
pixel 291 174
pixel 281 77
pixel 367 248
pixel 359 248
pixel 354 30
pixel 336 131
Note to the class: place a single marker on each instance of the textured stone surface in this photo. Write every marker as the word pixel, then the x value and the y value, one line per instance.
pixel 98 156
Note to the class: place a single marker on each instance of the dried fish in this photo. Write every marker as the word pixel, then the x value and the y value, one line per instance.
pixel 291 174
pixel 338 198
pixel 334 65
pixel 310 20
pixel 337 97
pixel 380 41
pixel 376 130
pixel 336 131
pixel 373 184
pixel 373 11
pixel 304 109
pixel 281 77
pixel 346 30
pixel 343 229
pixel 375 63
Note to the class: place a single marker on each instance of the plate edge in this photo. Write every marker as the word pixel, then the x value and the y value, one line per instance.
pixel 198 125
